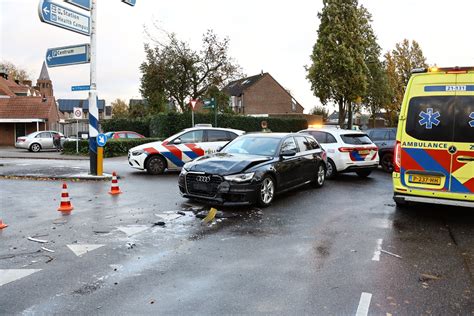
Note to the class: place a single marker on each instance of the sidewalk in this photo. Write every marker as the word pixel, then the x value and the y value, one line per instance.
pixel 12 152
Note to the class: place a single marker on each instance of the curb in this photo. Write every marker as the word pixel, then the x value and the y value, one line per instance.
pixel 74 178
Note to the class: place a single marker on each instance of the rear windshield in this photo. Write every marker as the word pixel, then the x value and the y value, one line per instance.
pixel 356 139
pixel 441 118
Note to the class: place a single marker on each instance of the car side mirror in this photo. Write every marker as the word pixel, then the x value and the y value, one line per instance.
pixel 288 153
pixel 177 141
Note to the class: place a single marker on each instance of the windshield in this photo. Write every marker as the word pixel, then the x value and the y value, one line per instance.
pixel 260 146
pixel 356 139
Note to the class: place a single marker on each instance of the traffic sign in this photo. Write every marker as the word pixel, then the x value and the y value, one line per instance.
pixel 193 102
pixel 77 113
pixel 63 17
pixel 101 140
pixel 209 103
pixel 68 55
pixel 80 88
pixel 130 2
pixel 83 4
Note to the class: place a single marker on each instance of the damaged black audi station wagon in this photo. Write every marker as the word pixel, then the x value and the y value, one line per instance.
pixel 253 168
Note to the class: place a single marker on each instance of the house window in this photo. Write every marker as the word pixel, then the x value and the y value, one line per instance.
pixel 293 105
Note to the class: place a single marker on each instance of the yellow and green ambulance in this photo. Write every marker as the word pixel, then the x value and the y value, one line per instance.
pixel 434 153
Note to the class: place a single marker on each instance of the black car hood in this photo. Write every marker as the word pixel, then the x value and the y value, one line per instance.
pixel 225 164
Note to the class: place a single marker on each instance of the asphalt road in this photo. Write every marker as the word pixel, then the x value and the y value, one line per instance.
pixel 314 251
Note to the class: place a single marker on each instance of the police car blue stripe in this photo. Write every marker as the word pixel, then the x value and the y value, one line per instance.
pixel 175 160
pixel 190 154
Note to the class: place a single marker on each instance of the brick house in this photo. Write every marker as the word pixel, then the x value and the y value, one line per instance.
pixel 24 109
pixel 261 94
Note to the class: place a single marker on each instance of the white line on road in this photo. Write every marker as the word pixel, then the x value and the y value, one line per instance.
pixel 378 247
pixel 10 275
pixel 364 304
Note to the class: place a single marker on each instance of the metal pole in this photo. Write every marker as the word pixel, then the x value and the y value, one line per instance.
pixel 93 110
pixel 215 106
pixel 192 117
pixel 77 136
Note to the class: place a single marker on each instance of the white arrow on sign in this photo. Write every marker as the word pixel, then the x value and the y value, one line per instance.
pixel 45 10
pixel 49 57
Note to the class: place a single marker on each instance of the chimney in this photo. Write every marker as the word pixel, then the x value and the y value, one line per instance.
pixel 17 81
pixel 261 72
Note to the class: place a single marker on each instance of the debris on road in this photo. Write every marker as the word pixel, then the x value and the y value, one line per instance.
pixel 130 245
pixel 210 215
pixel 428 277
pixel 390 253
pixel 41 241
pixel 168 216
pixel 160 223
pixel 48 250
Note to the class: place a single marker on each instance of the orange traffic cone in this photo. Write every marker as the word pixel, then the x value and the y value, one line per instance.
pixel 114 189
pixel 2 225
pixel 65 205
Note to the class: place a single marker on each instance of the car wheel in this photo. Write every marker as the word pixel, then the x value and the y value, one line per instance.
pixel 155 165
pixel 364 173
pixel 387 162
pixel 320 176
pixel 35 147
pixel 266 192
pixel 331 171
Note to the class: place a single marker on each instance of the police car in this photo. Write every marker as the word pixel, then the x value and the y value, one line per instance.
pixel 347 151
pixel 434 151
pixel 176 150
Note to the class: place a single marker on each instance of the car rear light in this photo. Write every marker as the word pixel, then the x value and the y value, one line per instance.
pixel 346 149
pixel 350 149
pixel 397 159
pixel 20 140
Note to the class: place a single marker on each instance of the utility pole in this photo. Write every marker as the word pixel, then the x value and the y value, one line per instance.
pixel 93 109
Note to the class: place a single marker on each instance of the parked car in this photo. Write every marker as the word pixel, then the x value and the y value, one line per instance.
pixel 123 134
pixel 38 141
pixel 253 168
pixel 347 150
pixel 176 150
pixel 385 139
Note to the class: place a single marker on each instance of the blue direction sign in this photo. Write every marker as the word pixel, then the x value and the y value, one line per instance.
pixel 80 88
pixel 63 17
pixel 83 4
pixel 130 2
pixel 68 55
pixel 101 140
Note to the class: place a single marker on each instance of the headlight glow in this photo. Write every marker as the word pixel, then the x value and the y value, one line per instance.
pixel 241 177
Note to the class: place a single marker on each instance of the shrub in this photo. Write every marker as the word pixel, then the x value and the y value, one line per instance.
pixel 139 125
pixel 164 125
pixel 113 148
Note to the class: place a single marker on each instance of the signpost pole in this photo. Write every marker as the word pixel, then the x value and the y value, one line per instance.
pixel 77 136
pixel 192 117
pixel 215 109
pixel 93 110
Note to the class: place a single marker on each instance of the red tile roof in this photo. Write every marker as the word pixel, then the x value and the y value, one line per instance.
pixel 26 107
pixel 10 87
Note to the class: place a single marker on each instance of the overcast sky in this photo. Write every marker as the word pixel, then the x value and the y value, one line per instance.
pixel 273 36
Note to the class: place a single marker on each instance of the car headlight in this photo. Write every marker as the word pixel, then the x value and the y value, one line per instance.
pixel 241 177
pixel 138 152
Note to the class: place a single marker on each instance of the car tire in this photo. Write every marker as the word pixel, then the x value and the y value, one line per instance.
pixel 266 191
pixel 387 162
pixel 364 173
pixel 331 171
pixel 35 147
pixel 320 176
pixel 155 165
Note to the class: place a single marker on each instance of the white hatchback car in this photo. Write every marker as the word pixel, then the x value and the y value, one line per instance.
pixel 176 150
pixel 347 151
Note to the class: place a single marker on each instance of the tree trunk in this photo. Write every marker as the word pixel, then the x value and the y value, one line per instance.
pixel 349 119
pixel 342 112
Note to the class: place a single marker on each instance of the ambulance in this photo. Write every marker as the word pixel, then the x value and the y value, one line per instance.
pixel 434 151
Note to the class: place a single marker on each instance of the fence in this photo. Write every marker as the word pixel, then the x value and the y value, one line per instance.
pixel 71 127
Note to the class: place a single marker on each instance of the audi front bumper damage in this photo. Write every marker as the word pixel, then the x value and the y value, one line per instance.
pixel 213 189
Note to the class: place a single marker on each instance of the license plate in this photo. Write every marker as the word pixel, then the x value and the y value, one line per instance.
pixel 364 152
pixel 430 180
pixel 200 186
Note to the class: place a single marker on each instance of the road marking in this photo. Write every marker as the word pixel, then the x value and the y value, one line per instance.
pixel 79 250
pixel 132 230
pixel 10 275
pixel 24 164
pixel 364 304
pixel 378 247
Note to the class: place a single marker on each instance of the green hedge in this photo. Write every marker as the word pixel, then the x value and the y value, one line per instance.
pixel 164 125
pixel 113 148
pixel 141 126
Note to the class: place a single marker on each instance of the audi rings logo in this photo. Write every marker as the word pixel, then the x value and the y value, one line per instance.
pixel 205 179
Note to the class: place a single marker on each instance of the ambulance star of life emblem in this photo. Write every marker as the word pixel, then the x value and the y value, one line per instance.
pixel 471 123
pixel 429 118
